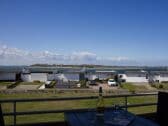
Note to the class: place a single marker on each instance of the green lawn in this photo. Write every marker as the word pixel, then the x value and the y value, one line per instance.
pixel 160 86
pixel 134 87
pixel 56 105
pixel 31 83
pixel 5 83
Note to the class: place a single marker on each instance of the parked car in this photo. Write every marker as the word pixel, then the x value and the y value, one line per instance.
pixel 111 82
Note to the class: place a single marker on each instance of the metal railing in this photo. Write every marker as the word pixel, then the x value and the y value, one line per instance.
pixel 15 101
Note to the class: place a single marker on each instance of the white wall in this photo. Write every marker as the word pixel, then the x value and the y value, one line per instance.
pixel 123 76
pixel 163 79
pixel 160 78
pixel 39 76
pixel 136 79
pixel 61 77
pixel 26 77
pixel 50 77
pixel 8 76
pixel 64 77
pixel 139 78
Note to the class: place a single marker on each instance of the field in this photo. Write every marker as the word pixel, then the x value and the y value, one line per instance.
pixel 59 105
pixel 131 87
pixel 160 86
pixel 4 83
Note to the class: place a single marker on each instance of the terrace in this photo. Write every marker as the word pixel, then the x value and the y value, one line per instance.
pixel 16 112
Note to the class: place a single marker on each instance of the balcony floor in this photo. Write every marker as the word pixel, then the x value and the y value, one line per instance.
pixel 151 116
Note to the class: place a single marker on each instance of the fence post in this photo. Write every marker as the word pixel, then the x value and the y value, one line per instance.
pixel 14 111
pixel 126 103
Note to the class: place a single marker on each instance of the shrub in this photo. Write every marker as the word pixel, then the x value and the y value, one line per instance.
pixel 164 82
pixel 160 86
pixel 121 85
pixel 13 85
pixel 98 80
pixel 83 83
pixel 154 85
pixel 132 91
pixel 36 81
pixel 106 79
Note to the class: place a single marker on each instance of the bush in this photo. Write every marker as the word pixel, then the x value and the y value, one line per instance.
pixel 164 82
pixel 13 85
pixel 121 85
pixel 160 86
pixel 98 80
pixel 132 91
pixel 154 85
pixel 36 81
pixel 107 79
pixel 83 83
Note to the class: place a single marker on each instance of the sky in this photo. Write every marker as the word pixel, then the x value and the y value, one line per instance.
pixel 107 32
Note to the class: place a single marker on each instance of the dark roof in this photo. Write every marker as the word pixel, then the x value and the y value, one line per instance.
pixel 11 69
pixel 159 72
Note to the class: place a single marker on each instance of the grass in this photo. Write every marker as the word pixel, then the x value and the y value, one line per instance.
pixel 5 83
pixel 11 85
pixel 162 86
pixel 30 83
pixel 133 88
pixel 57 105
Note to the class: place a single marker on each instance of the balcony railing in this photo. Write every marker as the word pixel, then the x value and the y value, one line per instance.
pixel 15 113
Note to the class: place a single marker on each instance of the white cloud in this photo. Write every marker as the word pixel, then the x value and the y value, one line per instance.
pixel 83 56
pixel 15 56
pixel 118 58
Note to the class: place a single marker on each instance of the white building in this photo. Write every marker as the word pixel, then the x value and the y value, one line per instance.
pixel 30 77
pixel 7 76
pixel 63 76
pixel 72 76
pixel 26 75
pixel 51 76
pixel 134 77
pixel 159 76
pixel 91 76
pixel 39 76
pixel 101 75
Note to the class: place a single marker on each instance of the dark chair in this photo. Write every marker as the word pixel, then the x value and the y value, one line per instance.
pixel 162 109
pixel 1 117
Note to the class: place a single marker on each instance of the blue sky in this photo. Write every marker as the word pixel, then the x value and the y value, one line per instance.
pixel 130 32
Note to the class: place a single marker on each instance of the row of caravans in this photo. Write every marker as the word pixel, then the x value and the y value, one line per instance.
pixel 128 76
pixel 144 77
pixel 67 76
pixel 28 76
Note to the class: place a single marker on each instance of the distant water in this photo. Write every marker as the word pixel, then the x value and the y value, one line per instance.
pixel 64 69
